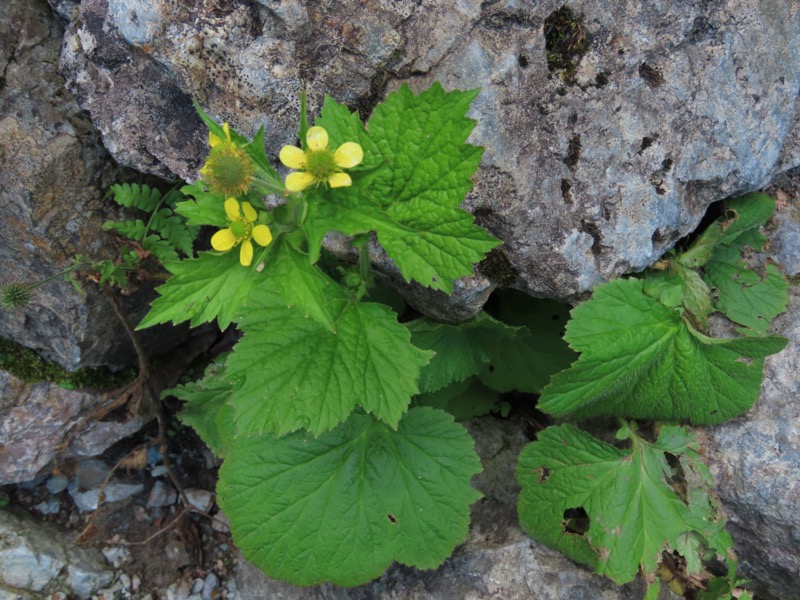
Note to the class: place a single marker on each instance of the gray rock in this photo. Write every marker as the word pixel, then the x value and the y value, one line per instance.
pixel 200 499
pixel 161 494
pixel 38 418
pixel 755 460
pixel 57 484
pixel 87 500
pixel 591 169
pixel 210 586
pixel 55 172
pixel 38 558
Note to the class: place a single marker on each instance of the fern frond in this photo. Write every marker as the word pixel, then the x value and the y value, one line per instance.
pixel 134 195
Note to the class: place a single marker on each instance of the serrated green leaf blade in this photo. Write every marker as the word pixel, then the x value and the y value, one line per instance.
pixel 291 372
pixel 436 243
pixel 460 349
pixel 640 360
pixel 463 399
pixel 538 351
pixel 200 290
pixel 745 213
pixel 352 500
pixel 207 408
pixel 742 294
pixel 207 208
pixel 420 173
pixel 302 284
pixel 633 511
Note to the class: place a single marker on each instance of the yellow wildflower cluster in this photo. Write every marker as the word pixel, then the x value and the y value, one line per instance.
pixel 230 171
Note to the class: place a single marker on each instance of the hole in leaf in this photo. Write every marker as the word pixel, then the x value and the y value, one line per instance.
pixel 576 521
pixel 745 360
pixel 544 474
pixel 677 478
pixel 490 369
pixel 392 518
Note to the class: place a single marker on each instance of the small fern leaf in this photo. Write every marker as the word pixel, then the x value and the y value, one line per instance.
pixel 134 195
pixel 173 229
pixel 133 230
pixel 160 248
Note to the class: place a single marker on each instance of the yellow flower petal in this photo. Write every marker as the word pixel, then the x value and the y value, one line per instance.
pixel 262 235
pixel 213 140
pixel 298 181
pixel 250 213
pixel 340 180
pixel 348 155
pixel 227 131
pixel 232 209
pixel 246 253
pixel 293 157
pixel 223 240
pixel 317 139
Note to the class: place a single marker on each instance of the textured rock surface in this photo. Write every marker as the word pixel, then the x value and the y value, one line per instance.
pixel 53 174
pixel 40 558
pixel 38 418
pixel 497 561
pixel 755 460
pixel 603 145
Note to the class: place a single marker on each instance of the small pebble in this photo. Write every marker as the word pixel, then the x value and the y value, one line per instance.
pixel 125 581
pixel 198 586
pixel 159 471
pixel 116 555
pixel 220 523
pixel 200 499
pixel 162 494
pixel 210 586
pixel 50 507
pixel 56 484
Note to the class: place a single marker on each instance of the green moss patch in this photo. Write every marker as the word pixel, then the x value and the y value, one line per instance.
pixel 27 365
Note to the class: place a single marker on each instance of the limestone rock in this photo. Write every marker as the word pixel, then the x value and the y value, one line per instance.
pixel 755 460
pixel 609 127
pixel 54 172
pixel 38 558
pixel 37 419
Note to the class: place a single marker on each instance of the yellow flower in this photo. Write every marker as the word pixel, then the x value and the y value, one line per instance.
pixel 240 230
pixel 319 165
pixel 228 169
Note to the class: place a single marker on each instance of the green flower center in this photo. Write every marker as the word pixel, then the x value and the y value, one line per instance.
pixel 240 229
pixel 320 164
pixel 229 170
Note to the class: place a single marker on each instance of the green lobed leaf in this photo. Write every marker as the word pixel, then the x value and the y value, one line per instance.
pixel 291 372
pixel 640 360
pixel 463 399
pixel 207 408
pixel 212 286
pixel 460 349
pixel 302 284
pixel 411 198
pixel 207 208
pixel 435 244
pixel 538 351
pixel 342 506
pixel 629 496
pixel 743 214
pixel 745 296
